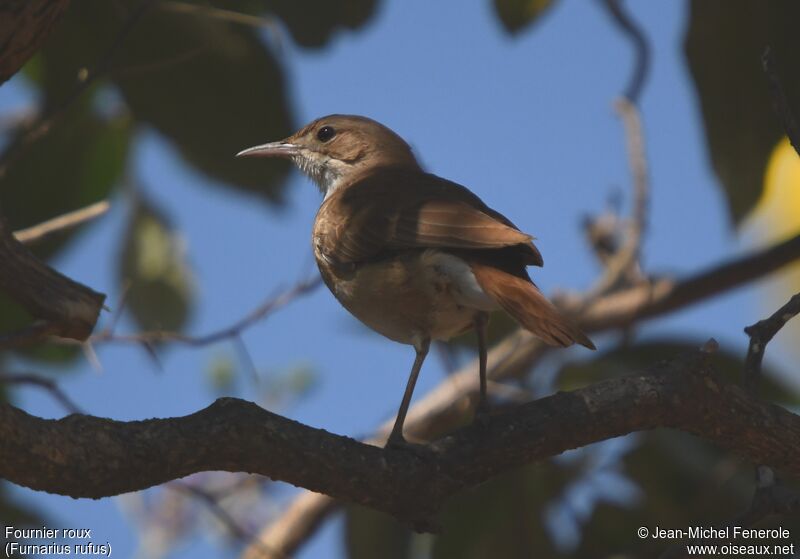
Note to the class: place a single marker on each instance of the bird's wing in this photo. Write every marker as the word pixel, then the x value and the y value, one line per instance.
pixel 451 224
pixel 395 211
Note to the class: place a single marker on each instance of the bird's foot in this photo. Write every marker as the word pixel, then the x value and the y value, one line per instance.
pixel 482 412
pixel 398 442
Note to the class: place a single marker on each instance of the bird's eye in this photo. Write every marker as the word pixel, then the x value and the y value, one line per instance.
pixel 325 133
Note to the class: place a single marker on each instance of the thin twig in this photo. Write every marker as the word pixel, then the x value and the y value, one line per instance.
pixel 628 256
pixel 267 307
pixel 760 335
pixel 779 100
pixel 625 261
pixel 640 45
pixel 61 223
pixel 221 14
pixel 42 382
pixel 246 358
pixel 212 502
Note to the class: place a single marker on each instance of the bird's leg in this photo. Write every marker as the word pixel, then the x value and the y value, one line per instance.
pixel 481 323
pixel 396 437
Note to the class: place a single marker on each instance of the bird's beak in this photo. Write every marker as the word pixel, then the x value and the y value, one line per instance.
pixel 272 149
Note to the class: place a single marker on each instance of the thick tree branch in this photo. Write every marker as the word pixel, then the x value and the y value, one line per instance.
pixel 83 456
pixel 24 26
pixel 65 307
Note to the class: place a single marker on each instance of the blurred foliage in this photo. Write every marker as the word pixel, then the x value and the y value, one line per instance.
pixel 328 15
pixel 776 218
pixel 516 15
pixel 626 360
pixel 724 45
pixel 685 482
pixel 370 533
pixel 84 156
pixel 210 86
pixel 153 267
pixel 286 386
pixel 221 373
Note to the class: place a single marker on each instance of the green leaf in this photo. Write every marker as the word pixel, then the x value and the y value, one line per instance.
pixel 329 15
pixel 153 266
pixel 211 87
pixel 221 373
pixel 77 163
pixel 516 15
pixel 724 45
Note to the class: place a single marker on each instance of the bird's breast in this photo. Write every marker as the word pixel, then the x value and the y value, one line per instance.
pixel 414 293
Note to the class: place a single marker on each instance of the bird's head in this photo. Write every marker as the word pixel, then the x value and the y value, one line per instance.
pixel 334 149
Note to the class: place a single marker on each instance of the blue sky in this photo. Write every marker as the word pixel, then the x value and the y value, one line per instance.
pixel 526 122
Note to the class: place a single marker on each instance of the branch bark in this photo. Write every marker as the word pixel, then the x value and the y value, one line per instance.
pixel 84 456
pixel 65 307
pixel 24 26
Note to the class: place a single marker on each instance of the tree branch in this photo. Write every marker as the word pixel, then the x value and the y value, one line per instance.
pixel 63 222
pixel 761 333
pixel 640 45
pixel 234 435
pixel 65 307
pixel 23 28
pixel 43 382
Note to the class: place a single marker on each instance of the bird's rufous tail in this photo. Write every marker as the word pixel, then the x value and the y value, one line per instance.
pixel 520 298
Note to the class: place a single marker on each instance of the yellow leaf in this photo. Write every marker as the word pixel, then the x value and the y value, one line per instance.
pixel 776 217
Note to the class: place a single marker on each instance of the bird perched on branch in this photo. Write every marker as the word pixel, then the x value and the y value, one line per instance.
pixel 413 256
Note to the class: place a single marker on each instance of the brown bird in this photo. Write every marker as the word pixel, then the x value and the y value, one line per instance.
pixel 412 255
